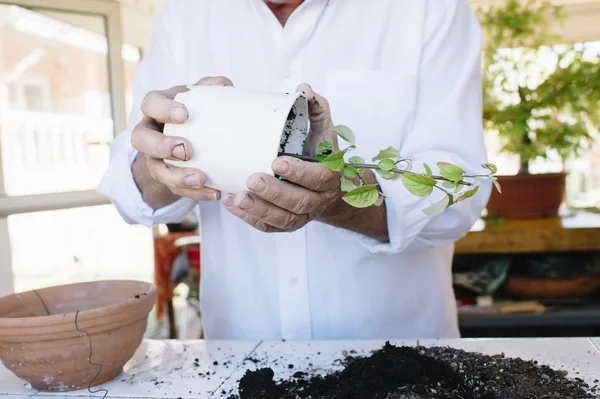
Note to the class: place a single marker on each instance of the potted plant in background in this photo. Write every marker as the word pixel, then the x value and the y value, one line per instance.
pixel 542 101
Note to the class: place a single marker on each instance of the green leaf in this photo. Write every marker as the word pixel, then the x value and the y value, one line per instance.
pixel 428 171
pixel 335 161
pixel 443 164
pixel 326 147
pixel 458 188
pixel 346 185
pixel 388 175
pixel 497 185
pixel 320 157
pixel 389 152
pixel 493 169
pixel 418 185
pixel 362 197
pixel 345 133
pixel 467 194
pixel 451 172
pixel 356 159
pixel 449 184
pixel 386 164
pixel 350 171
pixel 438 207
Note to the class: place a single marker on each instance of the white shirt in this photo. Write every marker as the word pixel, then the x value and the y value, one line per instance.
pixel 398 72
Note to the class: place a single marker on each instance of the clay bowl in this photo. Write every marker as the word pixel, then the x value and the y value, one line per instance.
pixel 553 287
pixel 51 354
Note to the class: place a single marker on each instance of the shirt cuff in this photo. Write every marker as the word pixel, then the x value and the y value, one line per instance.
pixel 405 218
pixel 410 229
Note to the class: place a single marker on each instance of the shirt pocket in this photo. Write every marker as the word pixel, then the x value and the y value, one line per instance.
pixel 378 106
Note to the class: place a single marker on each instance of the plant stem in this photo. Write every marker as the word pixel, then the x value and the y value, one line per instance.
pixel 374 167
pixel 526 140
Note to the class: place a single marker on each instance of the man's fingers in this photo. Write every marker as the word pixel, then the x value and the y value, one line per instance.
pixel 269 213
pixel 253 221
pixel 318 108
pixel 291 197
pixel 160 106
pixel 214 81
pixel 311 175
pixel 174 177
pixel 147 140
pixel 198 194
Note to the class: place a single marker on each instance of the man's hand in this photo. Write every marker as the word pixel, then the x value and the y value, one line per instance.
pixel 273 205
pixel 311 192
pixel 160 183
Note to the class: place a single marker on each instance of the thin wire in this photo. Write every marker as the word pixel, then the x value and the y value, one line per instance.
pixel 42 301
pixel 90 361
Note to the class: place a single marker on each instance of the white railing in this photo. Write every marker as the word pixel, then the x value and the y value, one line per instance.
pixel 46 153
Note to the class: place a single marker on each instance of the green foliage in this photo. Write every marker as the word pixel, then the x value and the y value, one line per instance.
pixel 335 161
pixel 540 98
pixel 344 133
pixel 326 147
pixel 362 197
pixel 389 152
pixel 389 166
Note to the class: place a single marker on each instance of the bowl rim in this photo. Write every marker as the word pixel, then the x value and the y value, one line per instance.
pixel 63 318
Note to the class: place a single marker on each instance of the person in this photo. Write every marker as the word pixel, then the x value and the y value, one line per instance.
pixel 290 259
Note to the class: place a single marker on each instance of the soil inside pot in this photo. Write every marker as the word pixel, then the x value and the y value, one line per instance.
pixel 414 373
pixel 295 128
pixel 287 130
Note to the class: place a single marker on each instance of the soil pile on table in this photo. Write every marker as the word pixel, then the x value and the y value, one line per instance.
pixel 421 373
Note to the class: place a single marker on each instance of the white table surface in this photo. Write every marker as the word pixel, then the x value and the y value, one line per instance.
pixel 168 369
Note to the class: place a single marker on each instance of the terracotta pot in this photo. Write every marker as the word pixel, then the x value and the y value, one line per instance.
pixel 51 354
pixel 235 133
pixel 553 287
pixel 528 196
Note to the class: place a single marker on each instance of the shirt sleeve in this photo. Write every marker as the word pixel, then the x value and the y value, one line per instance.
pixel 448 127
pixel 156 71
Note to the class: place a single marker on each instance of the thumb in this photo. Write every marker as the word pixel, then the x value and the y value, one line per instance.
pixel 319 112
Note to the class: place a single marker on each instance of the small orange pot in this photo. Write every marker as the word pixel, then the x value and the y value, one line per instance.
pixel 528 196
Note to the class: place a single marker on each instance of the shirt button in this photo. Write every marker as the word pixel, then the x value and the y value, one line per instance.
pixel 293 280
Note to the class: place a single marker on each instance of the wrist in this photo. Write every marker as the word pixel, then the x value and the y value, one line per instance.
pixel 153 193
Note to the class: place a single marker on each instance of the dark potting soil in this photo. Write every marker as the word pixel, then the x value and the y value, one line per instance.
pixel 287 130
pixel 418 373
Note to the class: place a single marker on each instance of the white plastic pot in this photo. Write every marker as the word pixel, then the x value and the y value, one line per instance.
pixel 235 133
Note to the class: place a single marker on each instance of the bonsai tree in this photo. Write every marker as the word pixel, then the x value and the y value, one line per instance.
pixel 540 99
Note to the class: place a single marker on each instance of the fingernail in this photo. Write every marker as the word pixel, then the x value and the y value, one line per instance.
pixel 179 152
pixel 256 183
pixel 228 200
pixel 213 197
pixel 247 203
pixel 281 167
pixel 179 113
pixel 192 180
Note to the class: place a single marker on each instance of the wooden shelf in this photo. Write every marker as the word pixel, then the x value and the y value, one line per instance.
pixel 562 318
pixel 577 232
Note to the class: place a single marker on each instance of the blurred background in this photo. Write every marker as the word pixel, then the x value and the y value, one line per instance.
pixel 66 68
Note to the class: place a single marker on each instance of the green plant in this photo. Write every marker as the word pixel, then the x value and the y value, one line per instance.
pixel 540 99
pixel 390 165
